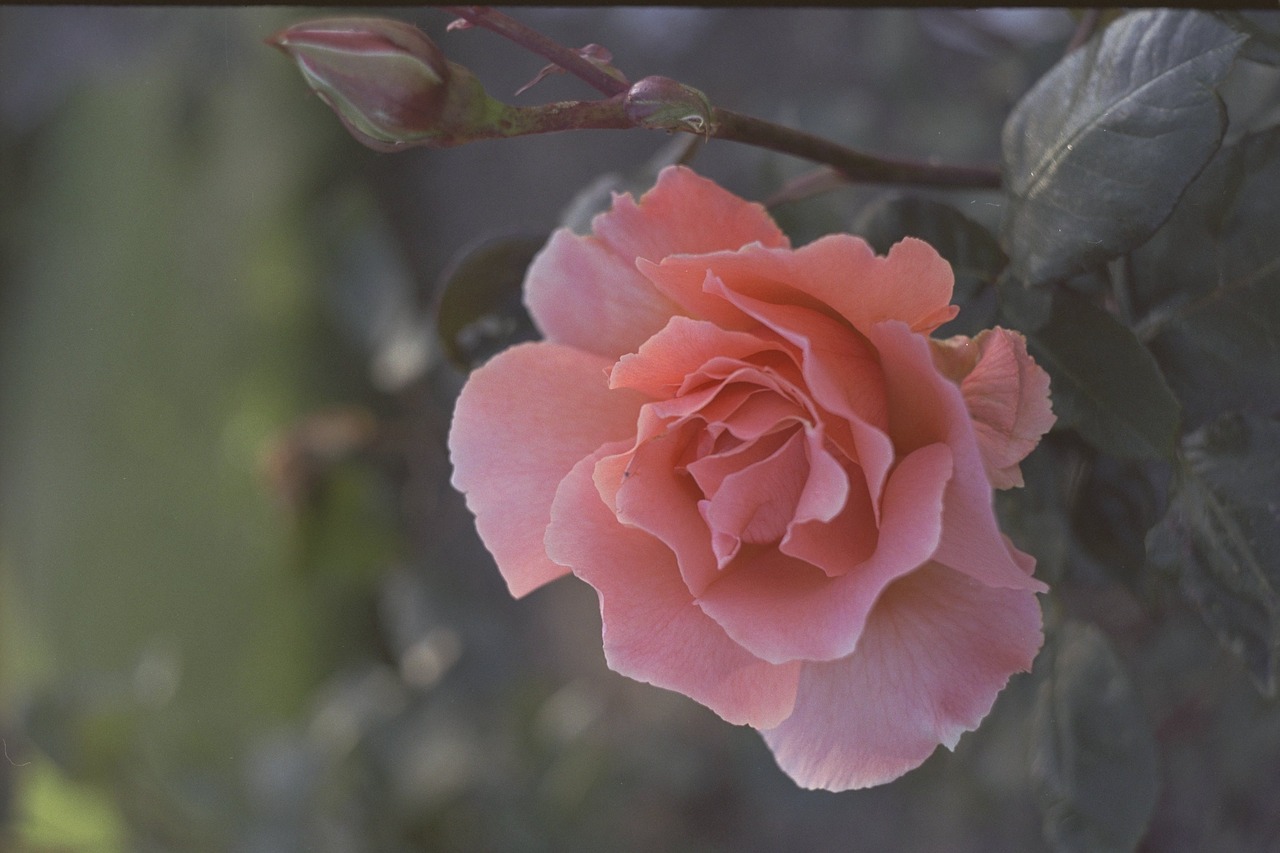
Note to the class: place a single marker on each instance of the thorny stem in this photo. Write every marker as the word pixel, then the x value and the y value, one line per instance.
pixel 536 42
pixel 848 163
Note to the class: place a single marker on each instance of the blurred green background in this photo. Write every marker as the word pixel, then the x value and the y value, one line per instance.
pixel 241 608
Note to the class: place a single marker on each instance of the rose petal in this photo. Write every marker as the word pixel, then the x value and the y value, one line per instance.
pixel 585 291
pixel 836 545
pixel 683 346
pixel 1007 395
pixel 838 274
pixel 842 373
pixel 936 651
pixel 652 630
pixel 756 503
pixel 685 214
pixel 781 609
pixel 522 421
pixel 652 496
pixel 581 293
pixel 926 407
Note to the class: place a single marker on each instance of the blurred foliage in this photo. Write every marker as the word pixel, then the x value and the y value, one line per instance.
pixel 242 609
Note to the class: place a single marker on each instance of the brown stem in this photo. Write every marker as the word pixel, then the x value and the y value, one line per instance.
pixel 853 165
pixel 532 40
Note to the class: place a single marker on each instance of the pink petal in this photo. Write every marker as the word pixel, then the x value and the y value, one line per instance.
pixel 826 490
pixel 653 497
pixel 836 545
pixel 842 373
pixel 838 274
pixel 582 294
pixel 685 214
pixel 782 609
pixel 586 291
pixel 711 470
pixel 653 632
pixel 683 346
pixel 756 503
pixel 936 651
pixel 926 407
pixel 521 423
pixel 1007 394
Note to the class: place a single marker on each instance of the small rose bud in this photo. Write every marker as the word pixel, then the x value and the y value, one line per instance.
pixel 385 79
pixel 660 103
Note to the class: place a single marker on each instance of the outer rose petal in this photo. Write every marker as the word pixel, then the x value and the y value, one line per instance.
pixel 936 651
pixel 521 423
pixel 838 274
pixel 1007 394
pixel 586 292
pixel 653 632
pixel 924 407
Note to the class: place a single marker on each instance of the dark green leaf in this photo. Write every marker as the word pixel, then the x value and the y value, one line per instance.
pixel 1024 308
pixel 1035 516
pixel 1093 756
pixel 481 309
pixel 1208 285
pixel 1098 152
pixel 972 251
pixel 1263 29
pixel 1221 537
pixel 1115 504
pixel 1104 382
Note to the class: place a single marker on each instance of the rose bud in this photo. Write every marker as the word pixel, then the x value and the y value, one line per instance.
pixel 660 103
pixel 385 79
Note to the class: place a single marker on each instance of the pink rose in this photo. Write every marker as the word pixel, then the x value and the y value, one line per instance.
pixel 778 484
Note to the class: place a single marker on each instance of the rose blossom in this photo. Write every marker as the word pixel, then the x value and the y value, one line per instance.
pixel 778 484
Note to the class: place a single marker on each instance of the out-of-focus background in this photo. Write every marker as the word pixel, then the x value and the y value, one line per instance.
pixel 241 609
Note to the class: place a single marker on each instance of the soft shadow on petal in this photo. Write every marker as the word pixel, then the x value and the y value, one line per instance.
pixel 580 293
pixel 755 503
pixel 654 498
pixel 842 373
pixel 839 275
pixel 839 544
pixel 781 608
pixel 1007 394
pixel 653 632
pixel 683 346
pixel 585 291
pixel 912 284
pixel 521 423
pixel 936 651
pixel 926 407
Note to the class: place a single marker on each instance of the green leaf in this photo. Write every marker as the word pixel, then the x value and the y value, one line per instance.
pixel 972 251
pixel 1099 151
pixel 481 309
pixel 1115 503
pixel 1035 516
pixel 1221 537
pixel 1208 285
pixel 1093 759
pixel 1104 382
pixel 1263 30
